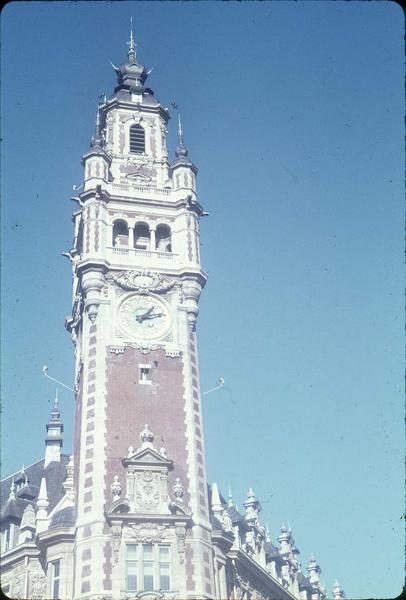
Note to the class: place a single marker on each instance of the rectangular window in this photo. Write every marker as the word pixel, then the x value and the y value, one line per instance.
pixel 56 569
pixel 132 566
pixel 6 539
pixel 145 374
pixel 164 569
pixel 148 567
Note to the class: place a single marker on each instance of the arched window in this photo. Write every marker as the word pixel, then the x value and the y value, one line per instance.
pixel 141 236
pixel 120 233
pixel 137 139
pixel 163 238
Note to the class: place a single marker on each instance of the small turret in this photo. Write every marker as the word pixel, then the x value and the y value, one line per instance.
pixel 252 506
pixel 285 541
pixel 314 571
pixel 96 161
pixel 53 440
pixel 338 592
pixel 183 169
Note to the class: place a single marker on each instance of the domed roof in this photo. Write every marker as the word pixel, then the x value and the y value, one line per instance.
pixel 64 518
pixel 131 74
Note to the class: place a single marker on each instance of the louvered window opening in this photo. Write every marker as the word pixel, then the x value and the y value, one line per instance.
pixel 137 139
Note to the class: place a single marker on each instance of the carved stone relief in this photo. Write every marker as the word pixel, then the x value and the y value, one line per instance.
pixel 147 490
pixel 144 282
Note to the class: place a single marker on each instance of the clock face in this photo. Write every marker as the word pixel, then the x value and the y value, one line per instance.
pixel 144 317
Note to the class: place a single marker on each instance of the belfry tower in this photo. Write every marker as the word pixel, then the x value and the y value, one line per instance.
pixel 142 522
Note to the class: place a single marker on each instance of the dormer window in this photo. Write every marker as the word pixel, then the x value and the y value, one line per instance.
pixel 137 139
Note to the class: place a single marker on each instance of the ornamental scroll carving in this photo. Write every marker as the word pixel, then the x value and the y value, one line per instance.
pixel 146 348
pixel 146 533
pixel 144 282
pixel 116 541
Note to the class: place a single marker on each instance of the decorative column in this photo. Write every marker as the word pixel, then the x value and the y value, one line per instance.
pixel 131 237
pixel 152 239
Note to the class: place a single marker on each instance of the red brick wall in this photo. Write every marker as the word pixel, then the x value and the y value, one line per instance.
pixel 131 405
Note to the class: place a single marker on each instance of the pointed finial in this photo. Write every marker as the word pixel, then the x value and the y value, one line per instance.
pixel 180 131
pixel 12 495
pixel 181 149
pixel 289 527
pixel 132 57
pixel 230 497
pixel 56 398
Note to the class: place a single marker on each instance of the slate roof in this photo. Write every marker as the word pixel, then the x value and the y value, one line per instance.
pixel 304 582
pixel 54 474
pixel 272 553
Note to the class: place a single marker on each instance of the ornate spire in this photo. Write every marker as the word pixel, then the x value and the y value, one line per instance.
pixel 55 412
pixel 42 500
pixel 42 506
pixel 181 150
pixel 53 440
pixel 132 55
pixel 96 140
pixel 216 505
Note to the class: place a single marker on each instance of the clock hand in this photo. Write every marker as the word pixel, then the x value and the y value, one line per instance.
pixel 153 316
pixel 140 318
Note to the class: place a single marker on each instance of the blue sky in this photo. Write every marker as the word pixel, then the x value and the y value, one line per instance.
pixel 293 112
